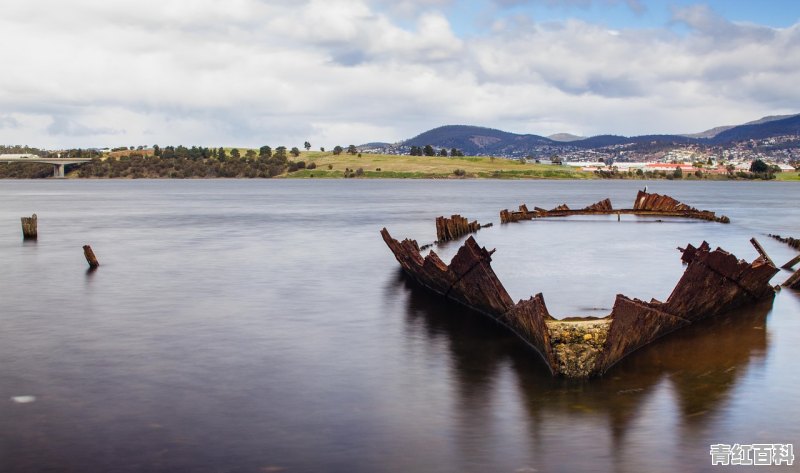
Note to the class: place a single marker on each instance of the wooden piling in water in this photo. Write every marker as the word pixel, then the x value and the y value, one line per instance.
pixel 90 257
pixel 30 228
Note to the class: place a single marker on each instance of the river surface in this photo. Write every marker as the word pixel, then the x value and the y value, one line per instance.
pixel 263 326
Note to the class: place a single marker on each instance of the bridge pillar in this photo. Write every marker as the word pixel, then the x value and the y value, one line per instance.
pixel 58 171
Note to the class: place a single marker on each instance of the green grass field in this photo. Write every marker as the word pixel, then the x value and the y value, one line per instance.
pixel 788 176
pixel 417 167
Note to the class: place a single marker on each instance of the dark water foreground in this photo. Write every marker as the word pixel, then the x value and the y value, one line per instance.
pixel 263 326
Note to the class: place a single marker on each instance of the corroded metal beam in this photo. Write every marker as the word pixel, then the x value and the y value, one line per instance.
pixel 713 283
pixel 655 205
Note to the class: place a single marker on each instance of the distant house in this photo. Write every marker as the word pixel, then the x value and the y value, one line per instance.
pixel 670 167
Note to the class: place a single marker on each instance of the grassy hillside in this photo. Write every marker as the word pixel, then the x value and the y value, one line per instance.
pixel 395 166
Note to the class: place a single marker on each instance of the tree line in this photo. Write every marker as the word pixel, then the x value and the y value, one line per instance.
pixel 157 162
pixel 180 162
pixel 428 150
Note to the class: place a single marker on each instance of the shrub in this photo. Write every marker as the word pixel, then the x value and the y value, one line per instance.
pixel 460 172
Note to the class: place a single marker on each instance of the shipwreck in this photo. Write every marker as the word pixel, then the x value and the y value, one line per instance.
pixel 646 204
pixel 713 283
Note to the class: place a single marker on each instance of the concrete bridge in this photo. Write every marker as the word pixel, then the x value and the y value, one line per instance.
pixel 58 163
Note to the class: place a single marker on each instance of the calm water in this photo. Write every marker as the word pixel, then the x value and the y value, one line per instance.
pixel 263 326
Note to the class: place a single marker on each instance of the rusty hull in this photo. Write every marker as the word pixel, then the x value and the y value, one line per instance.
pixel 645 205
pixel 714 282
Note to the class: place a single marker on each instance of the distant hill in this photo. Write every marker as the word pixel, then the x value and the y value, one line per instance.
pixel 601 141
pixel 566 137
pixel 373 145
pixel 760 129
pixel 709 133
pixel 474 140
pixel 719 129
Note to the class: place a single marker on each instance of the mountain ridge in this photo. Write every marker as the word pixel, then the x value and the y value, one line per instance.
pixel 476 140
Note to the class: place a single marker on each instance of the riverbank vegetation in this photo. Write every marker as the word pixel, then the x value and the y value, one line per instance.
pixel 180 162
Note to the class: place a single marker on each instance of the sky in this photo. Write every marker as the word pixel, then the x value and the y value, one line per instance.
pixel 97 73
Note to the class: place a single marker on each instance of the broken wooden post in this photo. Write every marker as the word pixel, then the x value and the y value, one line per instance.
pixel 90 257
pixel 761 251
pixel 29 227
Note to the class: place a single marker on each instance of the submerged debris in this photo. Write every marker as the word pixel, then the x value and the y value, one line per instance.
pixel 794 280
pixel 793 242
pixel 645 204
pixel 713 283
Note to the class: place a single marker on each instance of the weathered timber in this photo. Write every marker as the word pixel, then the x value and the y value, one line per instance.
pixel 793 242
pixel 90 257
pixel 644 205
pixel 714 282
pixel 30 229
pixel 760 250
pixel 454 227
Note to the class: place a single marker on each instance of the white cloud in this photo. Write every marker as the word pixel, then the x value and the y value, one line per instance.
pixel 251 72
pixel 636 5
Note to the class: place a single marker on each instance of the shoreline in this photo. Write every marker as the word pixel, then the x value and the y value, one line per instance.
pixel 793 177
pixel 327 165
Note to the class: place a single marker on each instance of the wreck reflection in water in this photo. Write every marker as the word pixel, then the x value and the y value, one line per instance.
pixel 696 367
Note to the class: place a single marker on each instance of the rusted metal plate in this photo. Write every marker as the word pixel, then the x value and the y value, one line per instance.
pixel 634 323
pixel 528 320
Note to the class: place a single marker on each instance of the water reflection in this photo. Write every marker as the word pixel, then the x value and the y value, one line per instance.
pixel 700 363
